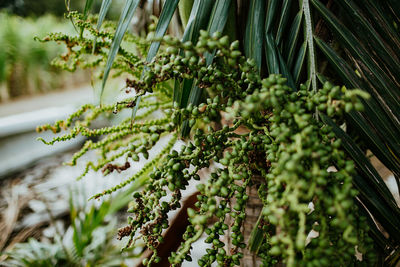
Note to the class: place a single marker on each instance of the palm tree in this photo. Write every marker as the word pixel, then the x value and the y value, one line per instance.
pixel 351 42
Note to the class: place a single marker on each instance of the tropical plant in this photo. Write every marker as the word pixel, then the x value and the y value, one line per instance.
pixel 88 241
pixel 37 8
pixel 285 130
pixel 25 63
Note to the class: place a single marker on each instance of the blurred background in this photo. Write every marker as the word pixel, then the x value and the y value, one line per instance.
pixel 45 218
pixel 25 68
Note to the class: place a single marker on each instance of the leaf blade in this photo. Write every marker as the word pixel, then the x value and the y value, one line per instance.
pixel 291 42
pixel 254 35
pixel 165 18
pixel 283 20
pixel 389 95
pixel 363 163
pixel 198 20
pixel 219 17
pixel 125 18
pixel 299 63
pixel 105 6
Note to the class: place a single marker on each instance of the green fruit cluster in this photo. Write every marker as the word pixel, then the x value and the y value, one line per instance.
pixel 246 127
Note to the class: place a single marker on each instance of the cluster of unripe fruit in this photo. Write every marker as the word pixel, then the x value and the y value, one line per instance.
pixel 247 127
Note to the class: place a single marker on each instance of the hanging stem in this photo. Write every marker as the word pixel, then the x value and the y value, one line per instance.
pixel 310 42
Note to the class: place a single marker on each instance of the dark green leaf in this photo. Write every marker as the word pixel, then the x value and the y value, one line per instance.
pixel 187 86
pixel 219 17
pixel 291 41
pixel 165 18
pixel 376 205
pixel 367 34
pixel 271 14
pixel 377 12
pixel 395 7
pixel 364 165
pixel 301 55
pixel 185 6
pixel 285 14
pixel 254 35
pixel 390 95
pixel 256 236
pixel 198 20
pixel 88 6
pixel 372 188
pixel 379 122
pixel 285 71
pixel 374 232
pixel 162 26
pixel 271 54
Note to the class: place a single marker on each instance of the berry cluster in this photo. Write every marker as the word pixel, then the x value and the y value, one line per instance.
pixel 248 131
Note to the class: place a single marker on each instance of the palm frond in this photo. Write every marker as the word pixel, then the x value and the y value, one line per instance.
pixel 364 54
pixel 124 20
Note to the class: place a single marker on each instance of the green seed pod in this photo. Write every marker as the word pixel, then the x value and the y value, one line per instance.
pixel 348 107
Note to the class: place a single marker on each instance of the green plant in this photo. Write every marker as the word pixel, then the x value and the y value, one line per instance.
pixel 291 131
pixel 88 241
pixel 24 62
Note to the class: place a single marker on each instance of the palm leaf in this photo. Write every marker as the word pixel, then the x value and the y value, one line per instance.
pixel 271 54
pixel 377 13
pixel 162 26
pixel 299 63
pixel 371 185
pixel 285 15
pixel 270 47
pixel 185 6
pixel 165 18
pixel 219 17
pixel 285 71
pixel 198 20
pixel 382 110
pixel 124 20
pixel 375 125
pixel 105 5
pixel 367 34
pixel 281 54
pixel 88 6
pixel 291 40
pixel 388 95
pixel 272 11
pixel 254 35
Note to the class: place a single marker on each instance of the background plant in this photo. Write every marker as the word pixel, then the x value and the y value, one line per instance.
pixel 88 241
pixel 25 63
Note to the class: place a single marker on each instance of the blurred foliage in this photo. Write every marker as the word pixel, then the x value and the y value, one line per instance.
pixel 24 62
pixel 55 7
pixel 88 241
pixel 34 7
